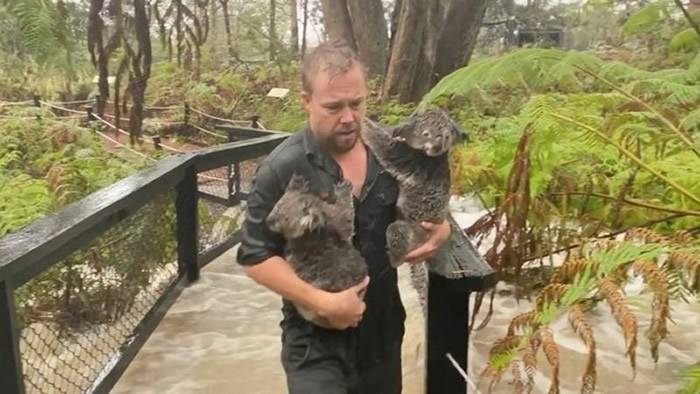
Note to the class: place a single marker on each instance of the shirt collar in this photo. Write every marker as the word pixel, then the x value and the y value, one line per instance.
pixel 321 159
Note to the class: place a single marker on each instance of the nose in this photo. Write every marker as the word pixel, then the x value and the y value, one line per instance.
pixel 347 115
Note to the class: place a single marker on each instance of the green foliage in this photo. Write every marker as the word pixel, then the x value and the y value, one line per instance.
pixel 687 40
pixel 692 380
pixel 38 21
pixel 647 19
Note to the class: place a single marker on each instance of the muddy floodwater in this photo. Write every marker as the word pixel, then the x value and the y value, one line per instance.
pixel 222 336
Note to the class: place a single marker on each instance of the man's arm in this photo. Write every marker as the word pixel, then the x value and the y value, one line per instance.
pixel 438 234
pixel 342 310
pixel 261 250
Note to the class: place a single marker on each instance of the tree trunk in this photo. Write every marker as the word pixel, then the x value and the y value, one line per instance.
pixel 370 33
pixel 97 52
pixel 395 14
pixel 303 28
pixel 458 36
pixel 294 28
pixel 140 70
pixel 336 20
pixel 227 26
pixel 408 44
pixel 273 30
pixel 423 76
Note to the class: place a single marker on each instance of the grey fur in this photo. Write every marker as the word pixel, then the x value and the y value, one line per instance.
pixel 416 153
pixel 318 236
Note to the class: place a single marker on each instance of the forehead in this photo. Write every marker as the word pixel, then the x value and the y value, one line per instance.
pixel 334 86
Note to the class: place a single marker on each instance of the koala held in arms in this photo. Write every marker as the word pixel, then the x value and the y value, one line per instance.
pixel 318 234
pixel 416 154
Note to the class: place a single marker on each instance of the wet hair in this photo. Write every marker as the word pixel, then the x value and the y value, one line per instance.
pixel 334 57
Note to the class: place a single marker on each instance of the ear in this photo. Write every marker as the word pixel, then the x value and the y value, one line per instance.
pixel 306 101
pixel 402 131
pixel 459 136
pixel 312 219
pixel 299 183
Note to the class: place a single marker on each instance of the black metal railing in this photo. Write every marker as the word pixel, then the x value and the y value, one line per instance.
pixel 82 289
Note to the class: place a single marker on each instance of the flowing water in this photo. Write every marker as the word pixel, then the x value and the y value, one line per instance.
pixel 222 336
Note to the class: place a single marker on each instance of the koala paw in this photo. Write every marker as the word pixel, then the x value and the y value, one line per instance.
pixel 398 242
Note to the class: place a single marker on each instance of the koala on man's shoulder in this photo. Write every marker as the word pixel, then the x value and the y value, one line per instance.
pixel 318 237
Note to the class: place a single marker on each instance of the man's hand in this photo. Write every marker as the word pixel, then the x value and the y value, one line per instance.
pixel 438 234
pixel 344 309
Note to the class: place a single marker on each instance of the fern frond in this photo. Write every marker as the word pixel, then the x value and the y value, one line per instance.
pixel 521 320
pixel 572 267
pixel 38 24
pixel 644 235
pixel 551 293
pixel 580 324
pixel 551 351
pixel 647 19
pixel 624 317
pixel 530 360
pixel 690 264
pixel 691 376
pixel 660 308
pixel 686 40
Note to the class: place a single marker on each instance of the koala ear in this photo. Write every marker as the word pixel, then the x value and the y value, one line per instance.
pixel 402 131
pixel 312 219
pixel 458 134
pixel 299 183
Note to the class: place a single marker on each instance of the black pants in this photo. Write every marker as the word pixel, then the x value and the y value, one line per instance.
pixel 320 361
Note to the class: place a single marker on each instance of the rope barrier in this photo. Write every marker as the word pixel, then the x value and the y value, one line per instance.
pixel 114 117
pixel 208 132
pixel 108 138
pixel 157 108
pixel 72 102
pixel 61 108
pixel 166 147
pixel 15 103
pixel 206 115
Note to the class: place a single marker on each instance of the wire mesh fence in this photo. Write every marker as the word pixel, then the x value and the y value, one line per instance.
pixel 77 316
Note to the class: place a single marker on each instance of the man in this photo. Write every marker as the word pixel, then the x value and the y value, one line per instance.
pixel 362 352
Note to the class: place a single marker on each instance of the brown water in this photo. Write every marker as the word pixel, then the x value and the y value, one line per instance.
pixel 222 336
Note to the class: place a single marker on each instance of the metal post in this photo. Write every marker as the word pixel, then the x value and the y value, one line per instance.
pixel 37 103
pixel 11 377
pixel 90 116
pixel 156 142
pixel 448 317
pixel 233 174
pixel 186 210
pixel 188 112
pixel 254 121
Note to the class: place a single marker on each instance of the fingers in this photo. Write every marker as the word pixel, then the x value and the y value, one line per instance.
pixel 429 226
pixel 361 286
pixel 421 253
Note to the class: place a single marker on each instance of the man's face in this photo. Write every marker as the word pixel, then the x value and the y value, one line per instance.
pixel 336 108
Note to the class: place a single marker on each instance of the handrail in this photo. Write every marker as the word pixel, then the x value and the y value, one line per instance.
pixel 37 246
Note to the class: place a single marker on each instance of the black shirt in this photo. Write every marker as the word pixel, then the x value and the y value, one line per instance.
pixel 383 322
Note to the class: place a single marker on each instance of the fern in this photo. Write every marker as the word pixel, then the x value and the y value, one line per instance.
pixel 647 19
pixel 692 380
pixel 39 26
pixel 687 41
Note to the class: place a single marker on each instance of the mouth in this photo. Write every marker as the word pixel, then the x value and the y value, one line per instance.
pixel 345 133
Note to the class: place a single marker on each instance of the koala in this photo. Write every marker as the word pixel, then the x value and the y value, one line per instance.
pixel 318 235
pixel 416 154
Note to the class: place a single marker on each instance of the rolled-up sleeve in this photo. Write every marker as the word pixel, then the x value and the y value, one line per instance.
pixel 259 242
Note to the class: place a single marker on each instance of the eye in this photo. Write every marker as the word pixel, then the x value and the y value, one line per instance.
pixel 426 133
